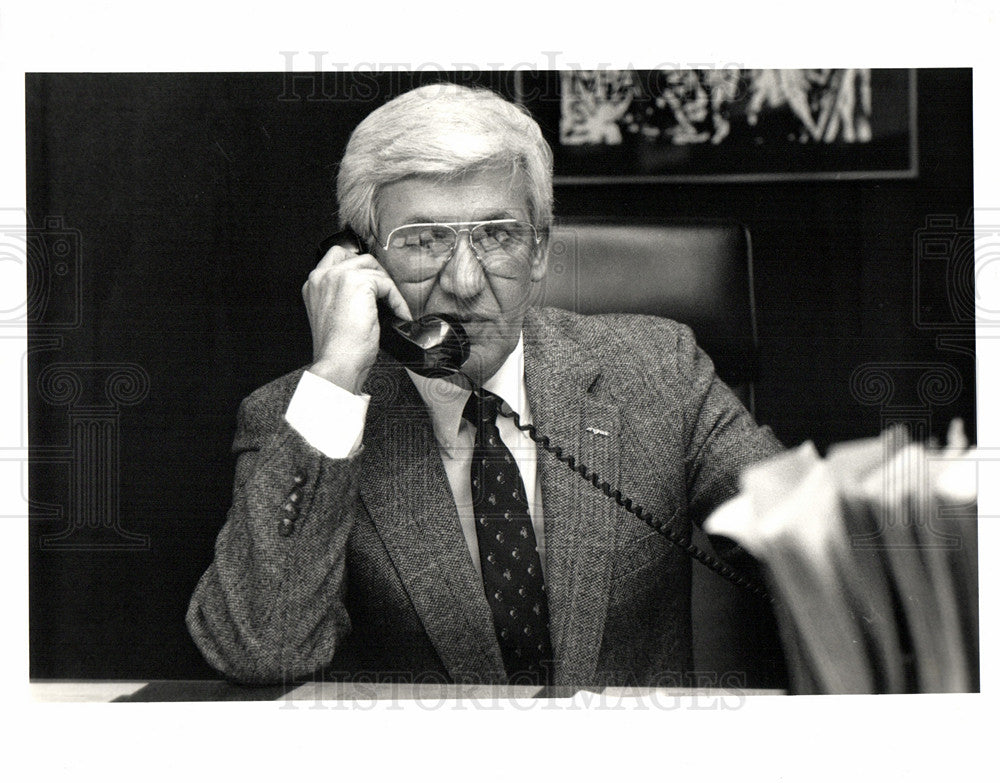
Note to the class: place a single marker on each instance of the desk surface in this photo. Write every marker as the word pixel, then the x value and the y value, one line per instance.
pixel 216 690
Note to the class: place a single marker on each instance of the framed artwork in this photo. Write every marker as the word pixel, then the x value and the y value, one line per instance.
pixel 727 124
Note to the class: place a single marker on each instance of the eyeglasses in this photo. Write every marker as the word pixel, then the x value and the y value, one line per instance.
pixel 503 247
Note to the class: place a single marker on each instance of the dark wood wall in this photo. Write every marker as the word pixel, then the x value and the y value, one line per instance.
pixel 174 221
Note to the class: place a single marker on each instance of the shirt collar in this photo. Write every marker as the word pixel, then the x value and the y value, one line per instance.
pixel 446 401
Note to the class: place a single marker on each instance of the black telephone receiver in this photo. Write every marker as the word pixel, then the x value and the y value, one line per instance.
pixel 438 346
pixel 434 345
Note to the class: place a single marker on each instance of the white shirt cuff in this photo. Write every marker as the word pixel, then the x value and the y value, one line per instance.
pixel 330 418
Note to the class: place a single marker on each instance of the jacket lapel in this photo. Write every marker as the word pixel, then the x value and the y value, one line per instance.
pixel 406 492
pixel 580 521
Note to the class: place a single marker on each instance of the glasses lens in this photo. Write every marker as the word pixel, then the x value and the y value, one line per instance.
pixel 420 251
pixel 502 241
pixel 418 240
pixel 503 236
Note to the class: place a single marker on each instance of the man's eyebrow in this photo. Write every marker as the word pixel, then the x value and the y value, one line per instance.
pixel 503 214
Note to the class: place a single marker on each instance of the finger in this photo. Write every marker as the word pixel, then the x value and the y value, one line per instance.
pixel 366 261
pixel 333 256
pixel 341 271
pixel 386 289
pixel 339 258
pixel 381 284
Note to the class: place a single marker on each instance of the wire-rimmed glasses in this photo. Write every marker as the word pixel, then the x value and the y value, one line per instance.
pixel 421 250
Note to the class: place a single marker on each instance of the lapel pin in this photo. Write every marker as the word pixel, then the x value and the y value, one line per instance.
pixel 596 431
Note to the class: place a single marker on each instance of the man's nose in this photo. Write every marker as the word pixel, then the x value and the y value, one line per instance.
pixel 463 276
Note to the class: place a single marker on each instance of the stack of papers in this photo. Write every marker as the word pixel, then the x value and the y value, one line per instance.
pixel 870 555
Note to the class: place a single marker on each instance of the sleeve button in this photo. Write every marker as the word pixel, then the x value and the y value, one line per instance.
pixel 299 478
pixel 295 496
pixel 291 510
pixel 287 527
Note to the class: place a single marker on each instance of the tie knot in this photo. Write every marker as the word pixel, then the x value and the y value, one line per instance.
pixel 482 407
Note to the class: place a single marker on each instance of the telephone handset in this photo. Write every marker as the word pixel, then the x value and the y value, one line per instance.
pixel 437 346
pixel 433 345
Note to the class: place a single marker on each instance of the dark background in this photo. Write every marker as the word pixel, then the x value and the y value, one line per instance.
pixel 192 203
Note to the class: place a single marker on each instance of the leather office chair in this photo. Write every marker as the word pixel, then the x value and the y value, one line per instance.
pixel 698 273
pixel 701 274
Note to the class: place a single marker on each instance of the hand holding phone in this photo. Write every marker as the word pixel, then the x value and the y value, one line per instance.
pixel 433 345
pixel 341 296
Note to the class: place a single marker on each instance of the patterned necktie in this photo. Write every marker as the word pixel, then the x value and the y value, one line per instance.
pixel 512 567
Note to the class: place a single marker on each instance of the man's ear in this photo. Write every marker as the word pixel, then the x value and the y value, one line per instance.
pixel 540 263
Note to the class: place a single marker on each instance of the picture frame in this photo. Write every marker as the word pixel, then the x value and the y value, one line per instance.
pixel 726 125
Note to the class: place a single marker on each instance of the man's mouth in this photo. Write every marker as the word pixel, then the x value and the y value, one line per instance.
pixel 465 319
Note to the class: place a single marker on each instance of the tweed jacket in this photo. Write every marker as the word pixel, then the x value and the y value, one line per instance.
pixel 375 579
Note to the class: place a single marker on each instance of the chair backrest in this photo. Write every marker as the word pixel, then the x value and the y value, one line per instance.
pixel 698 273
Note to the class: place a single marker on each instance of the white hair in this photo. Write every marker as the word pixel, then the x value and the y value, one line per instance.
pixel 441 131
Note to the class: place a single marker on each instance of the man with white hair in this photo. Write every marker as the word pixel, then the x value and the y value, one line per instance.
pixel 389 525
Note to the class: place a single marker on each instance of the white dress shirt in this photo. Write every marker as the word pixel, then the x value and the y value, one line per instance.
pixel 332 420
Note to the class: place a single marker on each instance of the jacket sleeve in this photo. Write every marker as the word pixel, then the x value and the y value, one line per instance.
pixel 722 438
pixel 270 607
